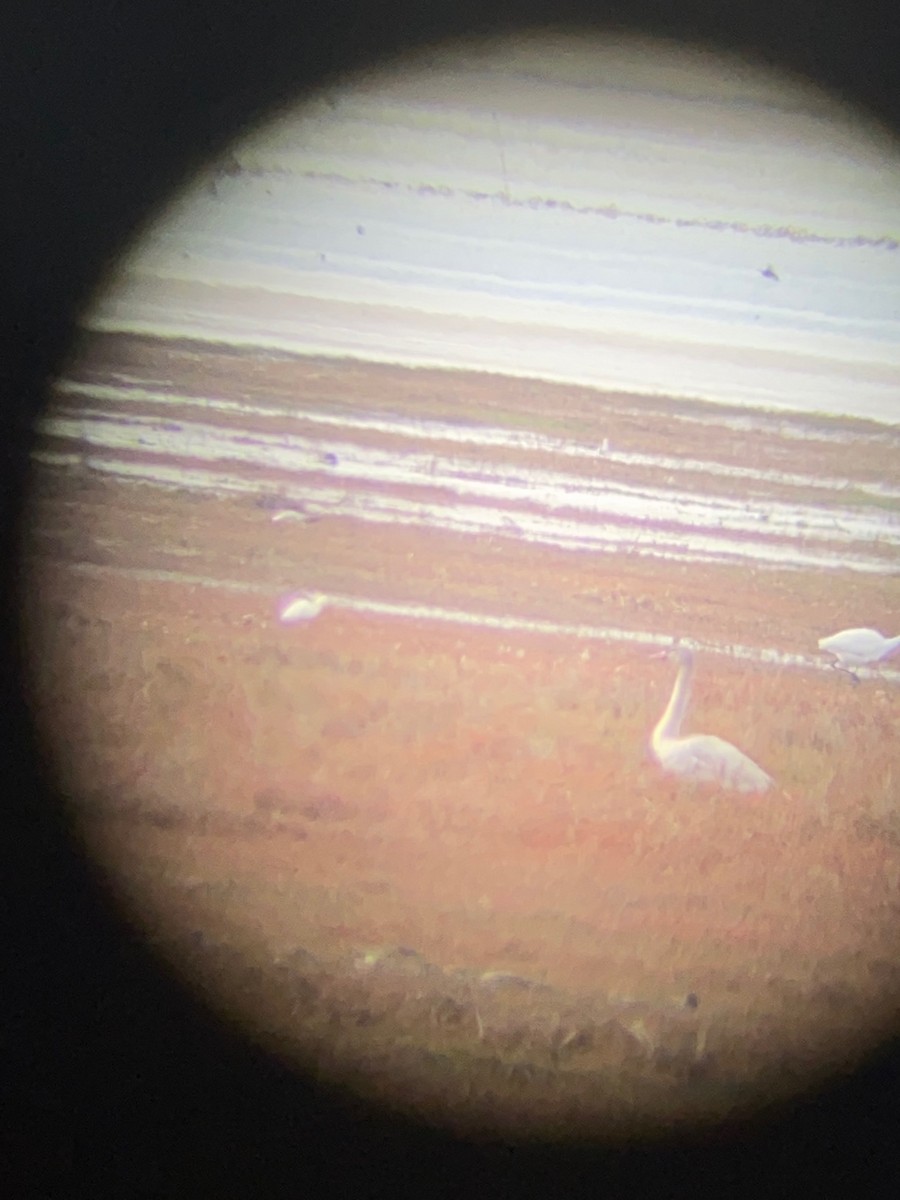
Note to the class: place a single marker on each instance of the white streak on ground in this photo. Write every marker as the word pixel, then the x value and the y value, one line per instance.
pixel 765 656
pixel 638 538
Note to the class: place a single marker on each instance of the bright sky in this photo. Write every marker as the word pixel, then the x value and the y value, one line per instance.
pixel 625 217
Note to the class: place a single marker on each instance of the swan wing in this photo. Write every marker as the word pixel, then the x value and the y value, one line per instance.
pixel 709 759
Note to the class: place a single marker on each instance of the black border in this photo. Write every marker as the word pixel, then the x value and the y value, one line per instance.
pixel 113 1080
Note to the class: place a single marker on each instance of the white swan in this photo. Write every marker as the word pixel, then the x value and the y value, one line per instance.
pixel 858 648
pixel 702 757
pixel 301 606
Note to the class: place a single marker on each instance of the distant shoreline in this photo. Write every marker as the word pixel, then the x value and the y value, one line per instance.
pixel 99 333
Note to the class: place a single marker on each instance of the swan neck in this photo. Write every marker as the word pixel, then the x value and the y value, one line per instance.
pixel 669 725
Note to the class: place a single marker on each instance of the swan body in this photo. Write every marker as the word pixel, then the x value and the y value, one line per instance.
pixel 301 606
pixel 858 647
pixel 702 757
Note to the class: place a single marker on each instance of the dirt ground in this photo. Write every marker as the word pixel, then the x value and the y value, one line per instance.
pixel 435 862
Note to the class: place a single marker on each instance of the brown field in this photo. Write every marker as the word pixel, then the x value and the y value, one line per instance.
pixel 435 861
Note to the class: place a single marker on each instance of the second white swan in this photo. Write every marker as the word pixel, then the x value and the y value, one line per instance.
pixel 702 757
pixel 858 648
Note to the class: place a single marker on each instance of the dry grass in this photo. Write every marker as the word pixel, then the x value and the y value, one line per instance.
pixel 346 831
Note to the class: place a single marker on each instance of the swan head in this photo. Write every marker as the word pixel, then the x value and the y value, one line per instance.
pixel 677 652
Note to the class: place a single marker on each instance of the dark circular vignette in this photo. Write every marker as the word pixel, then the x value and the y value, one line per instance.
pixel 115 1081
